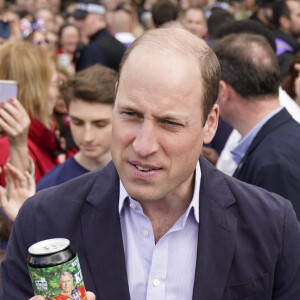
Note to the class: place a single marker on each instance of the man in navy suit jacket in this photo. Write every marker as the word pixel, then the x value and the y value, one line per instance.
pixel 268 153
pixel 213 236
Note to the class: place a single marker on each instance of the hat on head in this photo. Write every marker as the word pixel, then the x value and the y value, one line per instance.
pixel 84 7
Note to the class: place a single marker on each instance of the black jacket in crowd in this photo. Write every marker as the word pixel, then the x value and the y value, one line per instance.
pixel 104 49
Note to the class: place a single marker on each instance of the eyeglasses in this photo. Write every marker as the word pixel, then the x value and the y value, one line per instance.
pixel 40 42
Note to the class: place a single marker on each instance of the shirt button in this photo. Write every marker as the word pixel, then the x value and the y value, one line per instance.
pixel 132 205
pixel 156 282
pixel 145 233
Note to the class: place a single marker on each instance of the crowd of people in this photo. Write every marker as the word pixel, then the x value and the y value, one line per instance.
pixel 169 131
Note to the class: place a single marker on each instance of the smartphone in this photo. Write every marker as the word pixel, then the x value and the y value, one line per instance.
pixel 4 30
pixel 8 89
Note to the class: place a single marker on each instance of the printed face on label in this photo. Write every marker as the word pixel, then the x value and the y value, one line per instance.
pixel 66 282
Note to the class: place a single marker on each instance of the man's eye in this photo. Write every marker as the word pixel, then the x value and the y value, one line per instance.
pixel 76 122
pixel 170 123
pixel 130 113
pixel 100 124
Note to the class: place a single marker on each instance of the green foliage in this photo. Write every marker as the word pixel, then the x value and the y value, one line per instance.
pixel 45 281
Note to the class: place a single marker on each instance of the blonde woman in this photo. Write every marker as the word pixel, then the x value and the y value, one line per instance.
pixel 35 146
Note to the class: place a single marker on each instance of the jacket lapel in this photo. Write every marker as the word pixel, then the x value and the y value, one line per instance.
pixel 276 121
pixel 217 235
pixel 103 238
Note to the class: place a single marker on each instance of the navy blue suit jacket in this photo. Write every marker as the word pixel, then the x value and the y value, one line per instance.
pixel 248 244
pixel 272 161
pixel 103 49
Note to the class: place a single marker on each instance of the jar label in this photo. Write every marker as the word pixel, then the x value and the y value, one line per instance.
pixel 60 282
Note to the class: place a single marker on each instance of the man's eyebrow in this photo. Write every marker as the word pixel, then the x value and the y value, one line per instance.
pixel 171 116
pixel 101 120
pixel 177 118
pixel 97 120
pixel 174 117
pixel 127 107
pixel 74 117
pixel 122 104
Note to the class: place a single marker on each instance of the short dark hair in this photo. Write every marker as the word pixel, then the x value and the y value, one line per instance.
pixel 66 25
pixel 249 65
pixel 192 7
pixel 280 8
pixel 249 26
pixel 264 3
pixel 95 84
pixel 217 20
pixel 164 11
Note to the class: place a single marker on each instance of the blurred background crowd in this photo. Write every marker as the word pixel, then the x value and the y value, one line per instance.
pixel 64 56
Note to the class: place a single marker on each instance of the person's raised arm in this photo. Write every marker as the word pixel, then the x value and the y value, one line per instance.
pixel 15 122
pixel 20 186
pixel 14 25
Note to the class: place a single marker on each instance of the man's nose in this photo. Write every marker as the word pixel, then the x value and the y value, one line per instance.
pixel 146 141
pixel 88 135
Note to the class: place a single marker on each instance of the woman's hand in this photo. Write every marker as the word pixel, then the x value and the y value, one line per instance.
pixel 14 121
pixel 20 187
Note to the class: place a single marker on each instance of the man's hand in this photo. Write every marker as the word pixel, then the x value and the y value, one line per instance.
pixel 90 296
pixel 20 186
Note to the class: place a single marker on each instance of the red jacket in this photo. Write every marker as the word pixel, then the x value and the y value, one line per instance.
pixel 43 149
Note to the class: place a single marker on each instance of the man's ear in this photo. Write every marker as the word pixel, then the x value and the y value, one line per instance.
pixel 224 92
pixel 211 124
pixel 102 20
pixel 284 23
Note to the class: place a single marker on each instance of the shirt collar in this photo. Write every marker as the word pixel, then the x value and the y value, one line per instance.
pixel 193 204
pixel 239 151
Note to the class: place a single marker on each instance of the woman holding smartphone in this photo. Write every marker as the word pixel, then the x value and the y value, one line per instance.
pixel 29 144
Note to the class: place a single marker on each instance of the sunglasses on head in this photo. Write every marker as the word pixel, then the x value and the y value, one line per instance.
pixel 41 42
